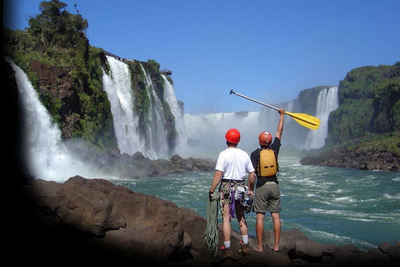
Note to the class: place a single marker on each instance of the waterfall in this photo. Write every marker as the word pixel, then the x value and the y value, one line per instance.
pixel 154 143
pixel 46 155
pixel 157 139
pixel 206 132
pixel 119 92
pixel 170 98
pixel 327 102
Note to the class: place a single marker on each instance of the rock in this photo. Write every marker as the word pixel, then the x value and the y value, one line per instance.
pixel 106 222
pixel 342 157
pixel 138 155
pixel 115 216
pixel 313 251
pixel 392 250
pixel 138 165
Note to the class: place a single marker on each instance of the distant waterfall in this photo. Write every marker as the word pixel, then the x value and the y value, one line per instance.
pixel 47 156
pixel 327 102
pixel 170 98
pixel 206 133
pixel 119 92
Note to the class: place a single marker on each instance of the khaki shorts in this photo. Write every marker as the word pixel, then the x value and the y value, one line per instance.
pixel 267 197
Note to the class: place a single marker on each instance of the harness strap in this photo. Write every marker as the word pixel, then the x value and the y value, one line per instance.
pixel 232 189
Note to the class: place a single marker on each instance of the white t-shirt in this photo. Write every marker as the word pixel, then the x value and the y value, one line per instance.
pixel 234 163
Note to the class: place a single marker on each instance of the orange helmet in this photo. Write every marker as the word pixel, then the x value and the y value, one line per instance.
pixel 232 136
pixel 265 138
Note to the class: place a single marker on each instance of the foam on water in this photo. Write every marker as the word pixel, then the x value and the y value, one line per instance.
pixel 317 201
pixel 345 199
pixel 396 197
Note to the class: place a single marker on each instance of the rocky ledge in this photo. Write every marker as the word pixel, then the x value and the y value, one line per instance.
pixel 94 221
pixel 115 163
pixel 358 159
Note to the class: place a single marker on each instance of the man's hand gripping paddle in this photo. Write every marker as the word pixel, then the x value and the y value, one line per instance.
pixel 305 120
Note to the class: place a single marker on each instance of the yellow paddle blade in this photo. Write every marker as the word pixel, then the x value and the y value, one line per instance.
pixel 305 120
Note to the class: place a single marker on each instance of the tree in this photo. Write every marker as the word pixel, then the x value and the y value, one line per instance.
pixel 55 27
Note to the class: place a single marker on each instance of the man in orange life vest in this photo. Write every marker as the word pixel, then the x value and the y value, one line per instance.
pixel 267 193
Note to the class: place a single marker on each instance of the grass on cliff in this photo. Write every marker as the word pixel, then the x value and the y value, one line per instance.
pixel 388 142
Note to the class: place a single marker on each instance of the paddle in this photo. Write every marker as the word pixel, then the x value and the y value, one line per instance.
pixel 305 120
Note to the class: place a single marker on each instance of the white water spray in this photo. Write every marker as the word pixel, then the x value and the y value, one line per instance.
pixel 157 139
pixel 206 133
pixel 327 102
pixel 119 92
pixel 47 156
pixel 170 98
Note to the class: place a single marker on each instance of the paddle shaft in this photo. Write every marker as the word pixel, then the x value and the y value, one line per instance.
pixel 303 119
pixel 256 101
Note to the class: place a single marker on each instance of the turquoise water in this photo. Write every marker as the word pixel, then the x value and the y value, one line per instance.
pixel 330 205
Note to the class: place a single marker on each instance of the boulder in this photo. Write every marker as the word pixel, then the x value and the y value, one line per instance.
pixel 139 225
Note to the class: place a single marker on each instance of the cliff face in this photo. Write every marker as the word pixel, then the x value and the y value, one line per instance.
pixel 69 84
pixel 363 132
pixel 369 103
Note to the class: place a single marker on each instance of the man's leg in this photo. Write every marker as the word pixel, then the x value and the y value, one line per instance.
pixel 226 225
pixel 241 218
pixel 277 229
pixel 259 231
pixel 244 244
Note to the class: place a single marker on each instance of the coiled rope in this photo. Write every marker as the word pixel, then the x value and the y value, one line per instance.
pixel 211 233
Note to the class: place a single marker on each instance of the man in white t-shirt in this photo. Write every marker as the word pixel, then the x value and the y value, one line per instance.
pixel 233 166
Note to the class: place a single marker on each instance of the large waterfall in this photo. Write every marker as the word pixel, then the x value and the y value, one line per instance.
pixel 157 144
pixel 206 133
pixel 119 92
pixel 49 157
pixel 154 143
pixel 327 102
pixel 45 153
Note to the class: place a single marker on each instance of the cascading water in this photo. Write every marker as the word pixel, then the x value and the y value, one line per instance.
pixel 327 102
pixel 154 144
pixel 46 155
pixel 119 92
pixel 157 139
pixel 170 98
pixel 206 133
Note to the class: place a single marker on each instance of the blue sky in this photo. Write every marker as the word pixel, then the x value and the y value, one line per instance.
pixel 268 50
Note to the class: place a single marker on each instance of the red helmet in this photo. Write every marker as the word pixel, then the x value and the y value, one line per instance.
pixel 265 138
pixel 232 136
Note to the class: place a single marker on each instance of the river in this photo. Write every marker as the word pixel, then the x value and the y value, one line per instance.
pixel 330 205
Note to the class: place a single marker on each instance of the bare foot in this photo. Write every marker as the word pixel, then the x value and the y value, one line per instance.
pixel 275 249
pixel 258 249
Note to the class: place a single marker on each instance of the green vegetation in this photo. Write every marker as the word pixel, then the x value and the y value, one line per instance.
pixel 387 142
pixel 65 71
pixel 369 103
